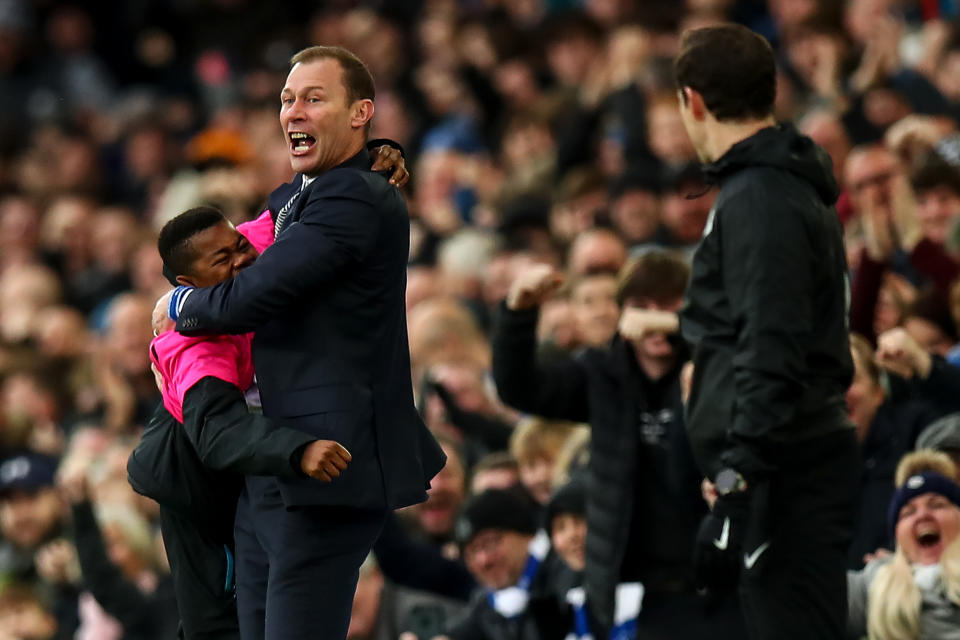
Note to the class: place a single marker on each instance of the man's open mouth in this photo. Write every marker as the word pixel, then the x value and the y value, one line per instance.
pixel 928 536
pixel 301 142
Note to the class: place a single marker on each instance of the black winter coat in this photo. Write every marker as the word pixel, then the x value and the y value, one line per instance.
pixel 604 387
pixel 766 307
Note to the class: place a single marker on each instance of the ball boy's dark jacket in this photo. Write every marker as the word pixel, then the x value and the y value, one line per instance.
pixel 766 307
pixel 194 468
pixel 603 387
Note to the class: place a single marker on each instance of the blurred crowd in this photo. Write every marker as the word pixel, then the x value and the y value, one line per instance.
pixel 545 145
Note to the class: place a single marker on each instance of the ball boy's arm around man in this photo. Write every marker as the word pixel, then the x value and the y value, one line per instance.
pixel 227 437
pixel 337 229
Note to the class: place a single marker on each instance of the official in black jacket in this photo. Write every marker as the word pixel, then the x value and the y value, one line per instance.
pixel 643 499
pixel 326 302
pixel 765 314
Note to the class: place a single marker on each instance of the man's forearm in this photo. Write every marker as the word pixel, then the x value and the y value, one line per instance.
pixel 227 437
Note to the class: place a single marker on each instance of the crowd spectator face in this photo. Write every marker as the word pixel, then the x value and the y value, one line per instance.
pixel 871 175
pixel 29 518
pixel 926 526
pixel 19 231
pixel 636 214
pixel 895 295
pixel 129 334
pixel 366 601
pixel 423 283
pixel 447 490
pixel 928 335
pixel 568 534
pixel 315 101
pixel 23 616
pixel 557 324
pixel 496 557
pixel 594 302
pixel 61 332
pixel 113 237
pixel 665 131
pixel 655 345
pixel 938 210
pixel 597 250
pixel 826 129
pixel 536 445
pixel 126 536
pixel 947 76
pixel 25 290
pixel 67 228
pixel 865 394
pixel 684 216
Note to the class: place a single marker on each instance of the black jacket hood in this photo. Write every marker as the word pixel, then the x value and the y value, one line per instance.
pixel 784 147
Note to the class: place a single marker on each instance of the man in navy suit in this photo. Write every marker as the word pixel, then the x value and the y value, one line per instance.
pixel 326 303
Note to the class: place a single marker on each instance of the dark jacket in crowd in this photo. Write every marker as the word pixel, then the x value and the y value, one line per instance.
pixel 892 434
pixel 144 616
pixel 543 618
pixel 765 309
pixel 643 503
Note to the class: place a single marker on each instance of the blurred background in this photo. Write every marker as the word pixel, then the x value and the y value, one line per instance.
pixel 535 131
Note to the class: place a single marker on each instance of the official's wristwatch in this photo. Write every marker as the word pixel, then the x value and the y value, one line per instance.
pixel 729 481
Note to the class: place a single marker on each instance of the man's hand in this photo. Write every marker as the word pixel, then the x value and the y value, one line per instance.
pixel 733 537
pixel 387 158
pixel 636 324
pixel 533 286
pixel 324 460
pixel 161 319
pixel 57 562
pixel 899 353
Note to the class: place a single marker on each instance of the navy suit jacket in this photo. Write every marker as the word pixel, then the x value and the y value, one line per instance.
pixel 327 304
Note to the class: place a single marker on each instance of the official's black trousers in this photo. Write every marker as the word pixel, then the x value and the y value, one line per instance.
pixel 297 568
pixel 799 590
pixel 201 565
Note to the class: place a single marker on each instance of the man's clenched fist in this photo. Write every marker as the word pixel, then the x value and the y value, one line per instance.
pixel 324 460
pixel 532 286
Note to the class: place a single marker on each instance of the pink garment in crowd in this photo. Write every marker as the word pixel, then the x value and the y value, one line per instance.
pixel 185 360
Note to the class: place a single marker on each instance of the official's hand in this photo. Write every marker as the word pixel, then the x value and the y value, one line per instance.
pixel 733 537
pixel 636 324
pixel 390 158
pixel 899 353
pixel 161 320
pixel 716 554
pixel 324 460
pixel 532 287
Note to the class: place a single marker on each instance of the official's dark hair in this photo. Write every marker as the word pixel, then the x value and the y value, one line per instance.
pixel 731 67
pixel 356 76
pixel 660 276
pixel 174 241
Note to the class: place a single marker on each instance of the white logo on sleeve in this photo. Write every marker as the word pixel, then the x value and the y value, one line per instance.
pixel 751 559
pixel 724 539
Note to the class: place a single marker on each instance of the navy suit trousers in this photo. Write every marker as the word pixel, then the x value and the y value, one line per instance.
pixel 297 568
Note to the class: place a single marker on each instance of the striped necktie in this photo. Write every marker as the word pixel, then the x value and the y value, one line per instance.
pixel 285 211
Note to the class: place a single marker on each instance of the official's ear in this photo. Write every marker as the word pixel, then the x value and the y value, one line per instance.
pixel 694 102
pixel 362 113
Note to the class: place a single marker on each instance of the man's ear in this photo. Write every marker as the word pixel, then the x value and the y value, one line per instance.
pixel 694 101
pixel 362 113
pixel 186 281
